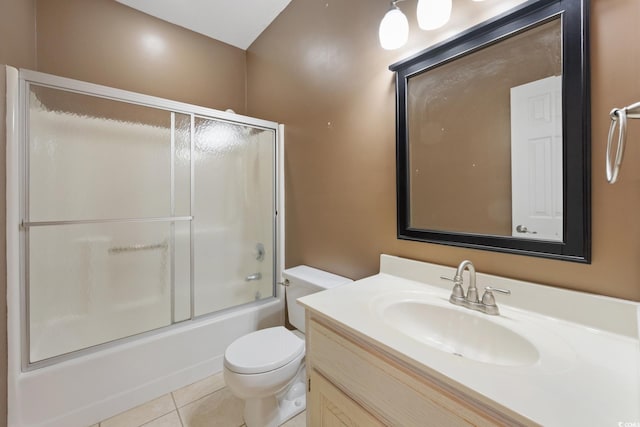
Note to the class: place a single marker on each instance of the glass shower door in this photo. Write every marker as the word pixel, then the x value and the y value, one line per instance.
pixel 106 250
pixel 233 214
pixel 137 213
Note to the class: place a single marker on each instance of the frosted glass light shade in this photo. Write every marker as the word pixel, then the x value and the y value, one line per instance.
pixel 433 14
pixel 394 29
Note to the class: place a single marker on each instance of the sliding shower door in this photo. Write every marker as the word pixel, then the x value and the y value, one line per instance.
pixel 137 216
pixel 233 214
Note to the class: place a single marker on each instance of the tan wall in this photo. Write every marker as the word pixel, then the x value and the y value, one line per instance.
pixel 17 48
pixel 105 42
pixel 318 69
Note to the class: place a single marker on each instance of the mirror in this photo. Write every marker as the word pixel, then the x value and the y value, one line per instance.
pixel 493 135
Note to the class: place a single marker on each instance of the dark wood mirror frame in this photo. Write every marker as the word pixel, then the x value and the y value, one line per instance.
pixel 576 245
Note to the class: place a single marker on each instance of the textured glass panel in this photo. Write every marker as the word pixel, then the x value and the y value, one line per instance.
pixel 94 283
pixel 94 158
pixel 182 164
pixel 233 214
pixel 182 257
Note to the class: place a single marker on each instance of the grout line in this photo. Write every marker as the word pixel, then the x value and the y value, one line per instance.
pixel 175 405
pixel 201 397
pixel 150 421
pixel 180 418
pixel 223 386
pixel 159 416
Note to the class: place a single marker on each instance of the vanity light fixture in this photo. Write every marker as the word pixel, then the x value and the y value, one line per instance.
pixel 394 27
pixel 433 14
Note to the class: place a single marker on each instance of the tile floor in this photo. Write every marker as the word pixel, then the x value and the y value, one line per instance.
pixel 206 403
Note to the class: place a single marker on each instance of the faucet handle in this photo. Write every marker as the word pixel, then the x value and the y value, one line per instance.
pixel 454 279
pixel 502 291
pixel 489 305
pixel 488 298
pixel 457 294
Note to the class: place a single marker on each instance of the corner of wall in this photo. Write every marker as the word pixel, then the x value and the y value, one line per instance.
pixel 3 249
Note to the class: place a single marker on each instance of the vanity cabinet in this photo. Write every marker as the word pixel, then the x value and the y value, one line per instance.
pixel 353 382
pixel 331 407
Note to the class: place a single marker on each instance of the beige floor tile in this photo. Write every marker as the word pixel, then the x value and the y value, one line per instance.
pixel 170 420
pixel 218 409
pixel 299 420
pixel 198 389
pixel 142 414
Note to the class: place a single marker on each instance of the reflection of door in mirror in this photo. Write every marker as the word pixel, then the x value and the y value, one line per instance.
pixel 459 134
pixel 536 159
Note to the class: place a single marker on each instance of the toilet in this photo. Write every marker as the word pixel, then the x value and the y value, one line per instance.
pixel 266 368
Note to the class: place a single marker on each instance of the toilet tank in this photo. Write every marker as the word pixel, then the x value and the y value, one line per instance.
pixel 305 280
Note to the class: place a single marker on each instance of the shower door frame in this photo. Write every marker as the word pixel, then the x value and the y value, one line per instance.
pixel 26 78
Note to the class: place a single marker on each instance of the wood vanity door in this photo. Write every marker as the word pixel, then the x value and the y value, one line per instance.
pixel 332 408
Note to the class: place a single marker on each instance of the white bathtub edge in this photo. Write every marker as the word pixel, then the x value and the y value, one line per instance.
pixel 91 388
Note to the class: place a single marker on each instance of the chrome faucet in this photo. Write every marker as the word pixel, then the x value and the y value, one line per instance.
pixel 470 300
pixel 254 276
pixel 472 291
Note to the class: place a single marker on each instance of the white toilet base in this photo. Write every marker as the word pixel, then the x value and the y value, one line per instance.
pixel 294 401
pixel 273 411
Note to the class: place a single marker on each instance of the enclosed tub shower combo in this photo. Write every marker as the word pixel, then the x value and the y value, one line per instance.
pixel 142 239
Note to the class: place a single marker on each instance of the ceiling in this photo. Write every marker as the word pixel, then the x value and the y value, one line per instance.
pixel 236 22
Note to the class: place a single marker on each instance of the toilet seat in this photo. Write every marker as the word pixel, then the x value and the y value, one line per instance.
pixel 262 351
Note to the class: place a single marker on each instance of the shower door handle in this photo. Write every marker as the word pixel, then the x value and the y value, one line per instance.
pixel 254 276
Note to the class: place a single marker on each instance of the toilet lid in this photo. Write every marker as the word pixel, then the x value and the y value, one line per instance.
pixel 263 351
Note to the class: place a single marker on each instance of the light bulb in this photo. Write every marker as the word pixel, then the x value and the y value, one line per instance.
pixel 394 29
pixel 433 14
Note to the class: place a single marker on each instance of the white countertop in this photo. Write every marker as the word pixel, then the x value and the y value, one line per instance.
pixel 588 371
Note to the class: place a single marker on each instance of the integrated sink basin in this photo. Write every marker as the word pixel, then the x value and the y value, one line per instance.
pixel 460 332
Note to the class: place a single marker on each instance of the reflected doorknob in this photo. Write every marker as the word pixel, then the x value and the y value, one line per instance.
pixel 522 229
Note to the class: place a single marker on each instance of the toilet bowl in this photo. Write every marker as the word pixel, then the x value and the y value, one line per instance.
pixel 266 368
